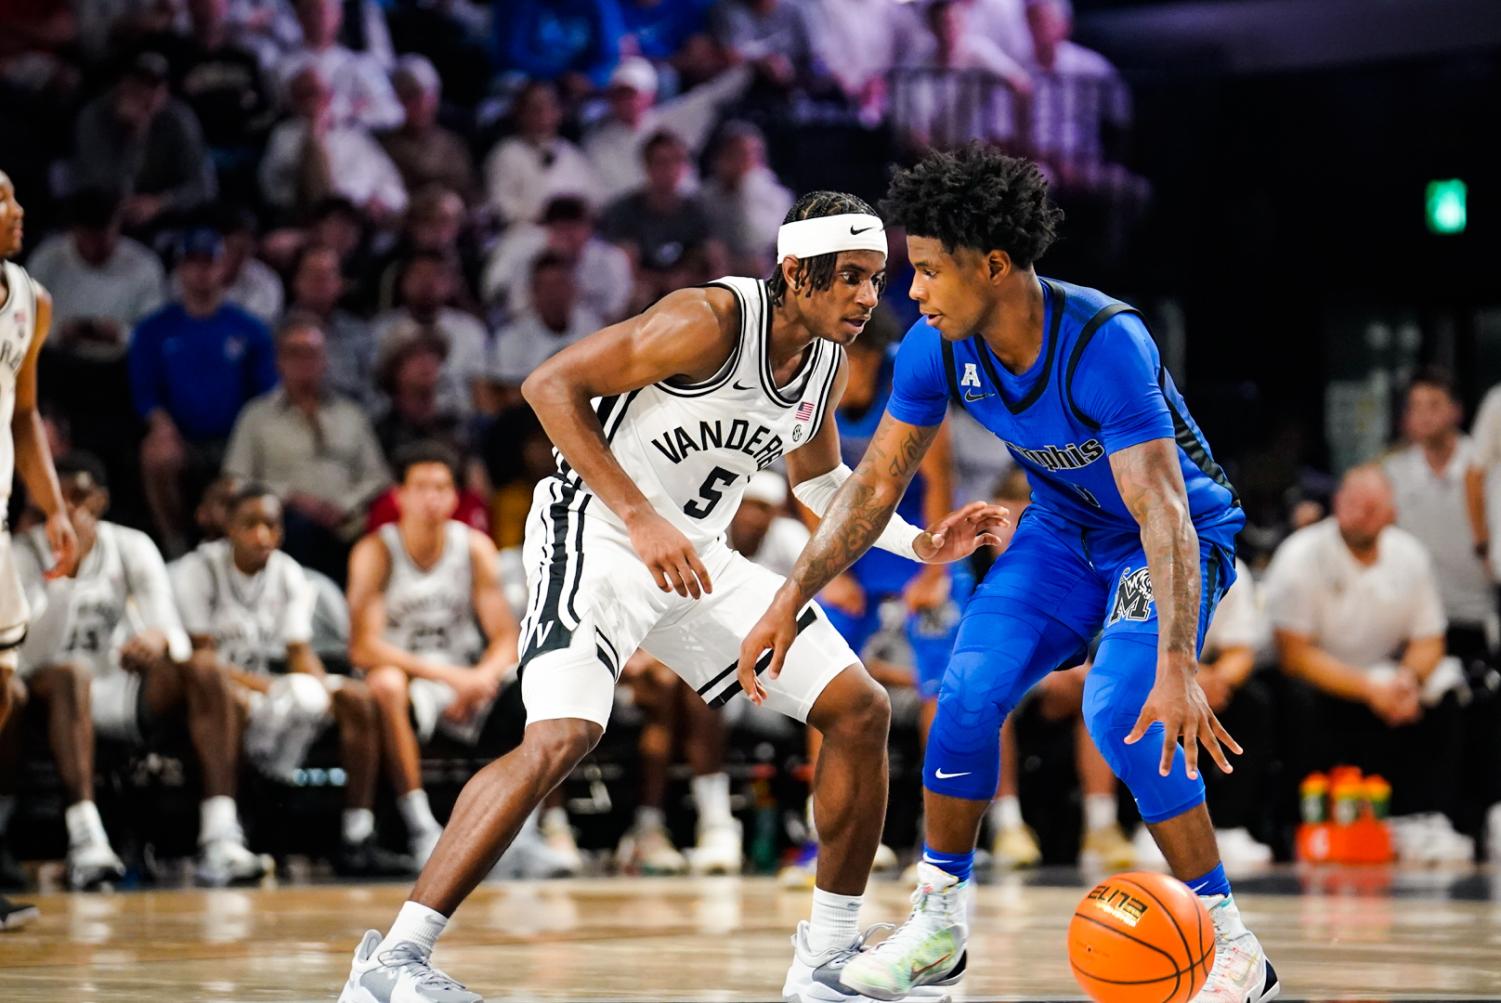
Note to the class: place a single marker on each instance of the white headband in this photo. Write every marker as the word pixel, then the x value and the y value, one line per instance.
pixel 851 231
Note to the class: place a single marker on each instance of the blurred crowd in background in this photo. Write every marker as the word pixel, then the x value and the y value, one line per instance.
pixel 288 240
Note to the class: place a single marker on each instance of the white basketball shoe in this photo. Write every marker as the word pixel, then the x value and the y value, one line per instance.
pixel 400 974
pixel 93 864
pixel 1241 972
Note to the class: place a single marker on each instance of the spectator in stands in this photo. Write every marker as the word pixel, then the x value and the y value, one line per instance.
pixel 615 146
pixel 669 235
pixel 1427 478
pixel 131 673
pixel 749 202
pixel 313 449
pixel 535 163
pixel 360 93
pixel 553 321
pixel 435 222
pixel 423 151
pixel 860 41
pixel 267 28
pixel 313 154
pixel 102 283
pixel 249 609
pixel 1356 613
pixel 431 630
pixel 659 29
pixel 317 291
pixel 1483 501
pixel 248 282
pixel 1076 93
pixel 427 285
pixel 193 364
pixel 138 140
pixel 774 33
pixel 573 42
pixel 220 80
pixel 601 271
pixel 962 86
pixel 410 376
pixel 1244 704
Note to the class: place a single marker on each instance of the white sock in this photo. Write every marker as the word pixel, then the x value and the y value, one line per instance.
pixel 1006 812
pixel 415 924
pixel 416 813
pixel 7 809
pixel 217 819
pixel 1099 812
pixel 359 824
pixel 711 794
pixel 835 921
pixel 84 825
pixel 554 818
pixel 649 818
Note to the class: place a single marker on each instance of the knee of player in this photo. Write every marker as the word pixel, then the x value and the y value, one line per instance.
pixel 561 743
pixel 354 701
pixel 865 713
pixel 388 686
pixel 202 671
pixel 69 681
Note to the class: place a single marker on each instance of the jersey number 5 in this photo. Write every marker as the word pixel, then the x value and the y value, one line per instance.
pixel 710 493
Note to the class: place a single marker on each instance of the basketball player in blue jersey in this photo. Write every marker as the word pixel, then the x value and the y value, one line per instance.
pixel 1131 533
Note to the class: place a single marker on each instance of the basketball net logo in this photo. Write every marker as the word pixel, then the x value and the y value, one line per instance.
pixel 1122 905
pixel 1133 596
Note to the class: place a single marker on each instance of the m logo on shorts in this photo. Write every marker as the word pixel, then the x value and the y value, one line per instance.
pixel 1133 597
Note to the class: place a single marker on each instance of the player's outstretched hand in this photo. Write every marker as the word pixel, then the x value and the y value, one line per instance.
pixel 962 532
pixel 1179 703
pixel 776 630
pixel 674 563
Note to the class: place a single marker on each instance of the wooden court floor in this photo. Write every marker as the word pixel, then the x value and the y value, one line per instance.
pixel 1368 937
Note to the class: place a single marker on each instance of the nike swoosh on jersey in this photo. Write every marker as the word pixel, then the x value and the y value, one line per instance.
pixel 945 776
pixel 971 396
pixel 739 387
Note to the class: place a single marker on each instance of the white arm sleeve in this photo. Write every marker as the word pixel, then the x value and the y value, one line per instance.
pixel 899 536
pixel 151 591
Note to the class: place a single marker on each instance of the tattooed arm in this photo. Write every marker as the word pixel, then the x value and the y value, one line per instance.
pixel 854 520
pixel 1151 484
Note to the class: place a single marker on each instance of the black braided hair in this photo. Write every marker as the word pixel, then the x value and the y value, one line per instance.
pixel 976 197
pixel 816 272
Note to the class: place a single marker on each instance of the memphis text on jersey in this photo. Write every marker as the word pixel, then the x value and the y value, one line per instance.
pixel 1069 457
pixel 763 445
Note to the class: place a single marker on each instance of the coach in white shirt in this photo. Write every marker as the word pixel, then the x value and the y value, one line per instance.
pixel 362 93
pixel 1428 480
pixel 762 530
pixel 1356 614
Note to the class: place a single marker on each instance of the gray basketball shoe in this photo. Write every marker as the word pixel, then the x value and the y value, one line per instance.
pixel 399 975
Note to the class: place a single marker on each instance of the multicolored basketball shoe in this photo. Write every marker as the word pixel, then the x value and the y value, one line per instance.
pixel 1241 972
pixel 927 950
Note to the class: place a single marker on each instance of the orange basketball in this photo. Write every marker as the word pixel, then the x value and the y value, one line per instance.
pixel 1141 938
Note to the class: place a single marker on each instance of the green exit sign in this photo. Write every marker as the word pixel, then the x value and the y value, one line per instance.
pixel 1446 206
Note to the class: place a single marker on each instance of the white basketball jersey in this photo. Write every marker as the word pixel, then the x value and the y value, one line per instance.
pixel 692 448
pixel 430 613
pixel 252 618
pixel 120 589
pixel 17 327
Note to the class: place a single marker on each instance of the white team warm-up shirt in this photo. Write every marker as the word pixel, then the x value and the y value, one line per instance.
pixel 430 611
pixel 17 328
pixel 121 589
pixel 252 618
pixel 1361 615
pixel 1238 620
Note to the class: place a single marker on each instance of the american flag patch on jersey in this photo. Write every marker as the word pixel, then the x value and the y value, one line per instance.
pixel 805 411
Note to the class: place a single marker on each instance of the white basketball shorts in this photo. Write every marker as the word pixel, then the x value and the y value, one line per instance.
pixel 14 613
pixel 592 603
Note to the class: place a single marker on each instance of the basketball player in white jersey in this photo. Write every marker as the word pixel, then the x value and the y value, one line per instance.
pixel 659 422
pixel 25 316
pixel 429 625
pixel 249 607
pixel 117 622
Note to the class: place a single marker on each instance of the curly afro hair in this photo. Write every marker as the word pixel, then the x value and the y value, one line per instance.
pixel 817 272
pixel 976 197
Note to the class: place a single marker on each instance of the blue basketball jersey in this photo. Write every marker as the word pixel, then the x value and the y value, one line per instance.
pixel 879 571
pixel 1098 386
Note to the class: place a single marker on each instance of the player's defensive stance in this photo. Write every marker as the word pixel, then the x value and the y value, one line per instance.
pixel 1131 533
pixel 659 422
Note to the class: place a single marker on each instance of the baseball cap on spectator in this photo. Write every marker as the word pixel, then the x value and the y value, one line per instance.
pixel 635 73
pixel 420 71
pixel 199 242
pixel 768 488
